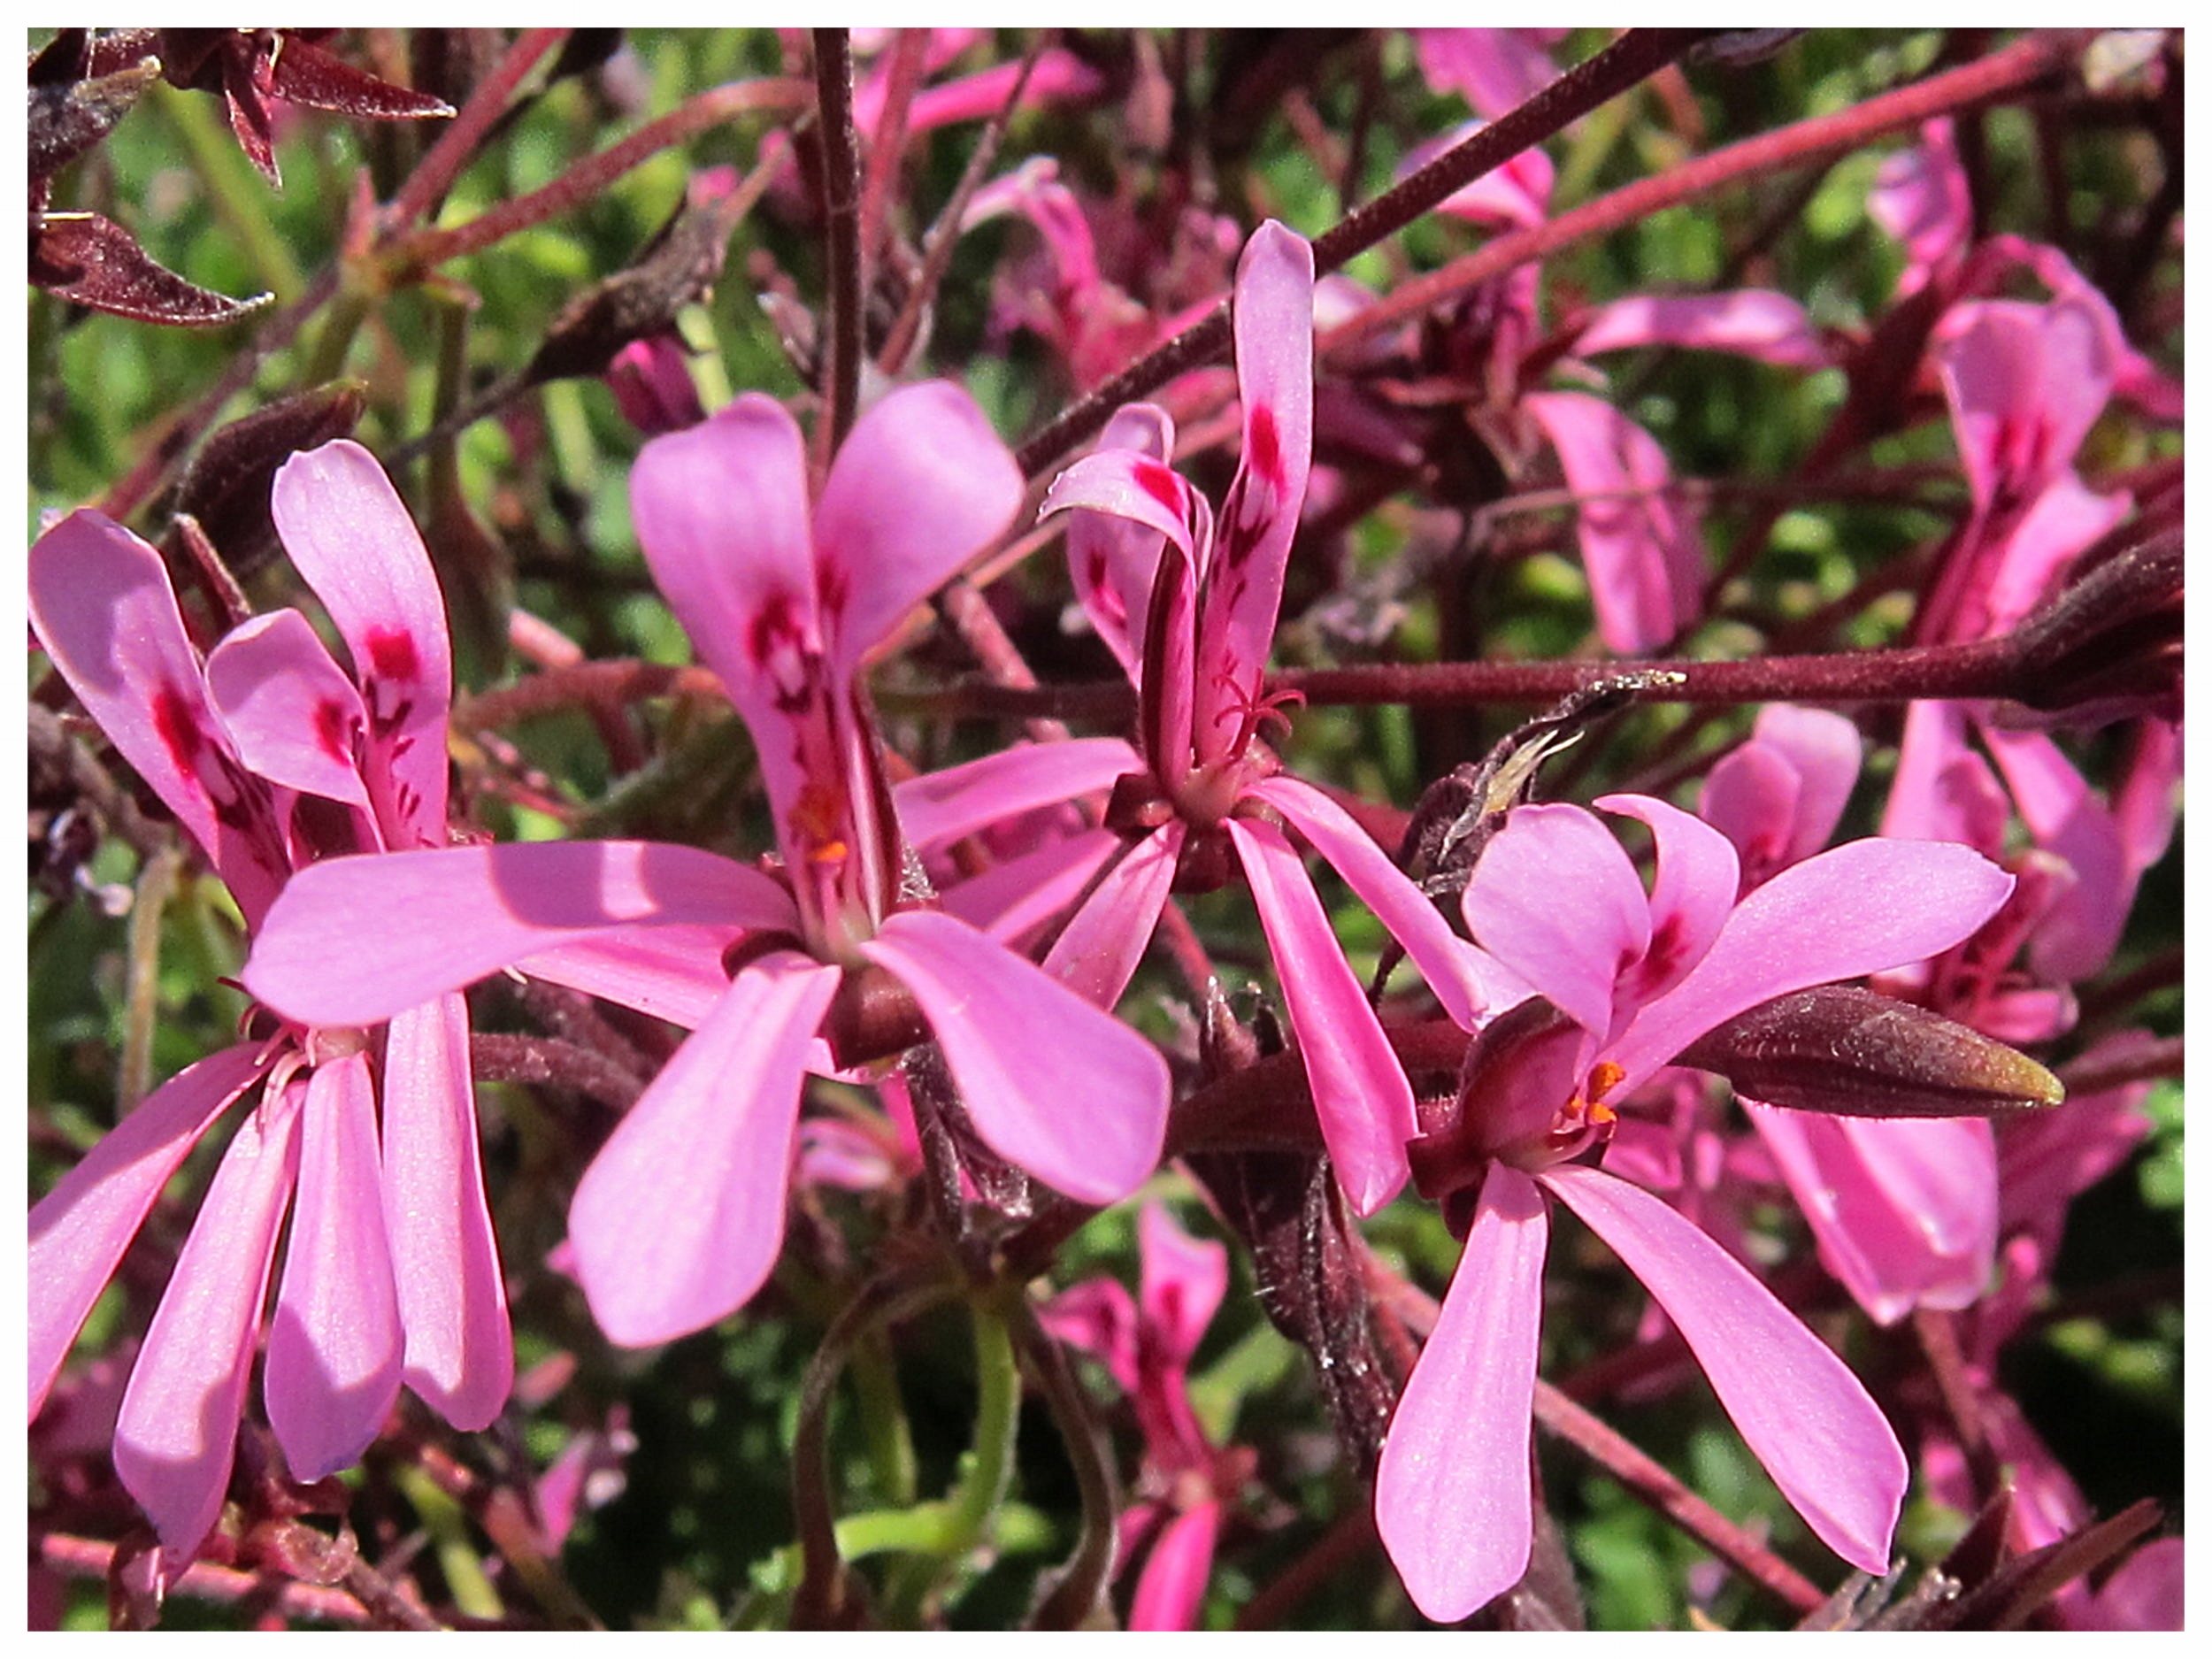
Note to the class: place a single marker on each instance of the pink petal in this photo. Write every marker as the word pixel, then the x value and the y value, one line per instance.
pixel 921 486
pixel 2025 384
pixel 1172 1586
pixel 1059 75
pixel 722 515
pixel 1571 954
pixel 1799 1408
pixel 1749 322
pixel 179 1422
pixel 1452 1494
pixel 348 534
pixel 293 717
pixel 2066 517
pixel 1183 1281
pixel 2144 1593
pixel 680 1218
pixel 1904 1216
pixel 1111 560
pixel 941 807
pixel 102 608
pixel 333 1361
pixel 1824 748
pixel 1100 1317
pixel 1131 485
pixel 1751 796
pixel 1271 313
pixel 1640 546
pixel 1693 891
pixel 452 1299
pixel 1468 981
pixel 353 940
pixel 651 382
pixel 674 973
pixel 2081 931
pixel 1096 952
pixel 1856 908
pixel 1085 1113
pixel 1011 901
pixel 1920 198
pixel 1494 69
pixel 79 1231
pixel 1942 790
pixel 1360 1091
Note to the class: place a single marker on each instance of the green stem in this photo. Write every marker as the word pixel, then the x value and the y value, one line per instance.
pixel 348 312
pixel 987 1468
pixel 883 1422
pixel 235 191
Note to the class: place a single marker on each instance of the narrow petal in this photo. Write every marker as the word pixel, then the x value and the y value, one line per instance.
pixel 354 940
pixel 1085 1113
pixel 79 1231
pixel 452 1299
pixel 349 536
pixel 1096 953
pixel 721 513
pixel 1172 1586
pixel 941 807
pixel 680 1218
pixel 1640 546
pixel 1692 892
pixel 1452 1490
pixel 1099 1317
pixel 1749 322
pixel 102 608
pixel 1110 559
pixel 179 1422
pixel 1856 908
pixel 1572 954
pixel 2079 934
pixel 1271 313
pixel 1360 1091
pixel 294 717
pixel 921 486
pixel 335 1345
pixel 1799 1408
pixel 1922 198
pixel 1470 982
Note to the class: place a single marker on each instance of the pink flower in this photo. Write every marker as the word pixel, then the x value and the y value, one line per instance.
pixel 272 756
pixel 1627 979
pixel 785 598
pixel 1186 1481
pixel 1188 604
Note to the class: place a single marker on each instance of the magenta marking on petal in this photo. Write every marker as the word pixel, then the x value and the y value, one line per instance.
pixel 392 654
pixel 332 732
pixel 1261 448
pixel 180 732
pixel 1159 483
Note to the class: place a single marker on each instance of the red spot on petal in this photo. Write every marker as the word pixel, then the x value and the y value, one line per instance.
pixel 1095 570
pixel 772 627
pixel 176 724
pixel 1262 448
pixel 392 654
pixel 334 732
pixel 1665 952
pixel 1161 484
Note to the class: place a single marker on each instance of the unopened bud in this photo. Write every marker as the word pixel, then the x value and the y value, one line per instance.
pixel 2109 646
pixel 1854 1053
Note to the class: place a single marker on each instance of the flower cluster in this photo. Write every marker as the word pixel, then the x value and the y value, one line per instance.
pixel 817 1025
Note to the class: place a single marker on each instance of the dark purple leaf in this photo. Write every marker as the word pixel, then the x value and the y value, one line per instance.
pixel 94 261
pixel 68 120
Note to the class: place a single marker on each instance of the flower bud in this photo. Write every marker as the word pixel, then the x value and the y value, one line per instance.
pixel 1847 1050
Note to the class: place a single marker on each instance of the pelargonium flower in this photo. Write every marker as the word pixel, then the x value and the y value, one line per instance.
pixel 1147 1344
pixel 785 598
pixel 1188 604
pixel 272 756
pixel 1626 979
